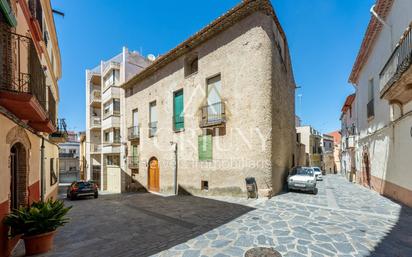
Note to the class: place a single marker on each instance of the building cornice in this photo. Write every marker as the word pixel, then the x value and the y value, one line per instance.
pixel 382 8
pixel 237 13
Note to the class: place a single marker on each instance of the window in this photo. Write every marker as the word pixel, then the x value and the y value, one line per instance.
pixel 178 116
pixel 205 185
pixel 116 135
pixel 213 112
pixel 112 160
pixel 106 136
pixel 116 106
pixel 53 175
pixel 370 107
pixel 152 119
pixel 191 64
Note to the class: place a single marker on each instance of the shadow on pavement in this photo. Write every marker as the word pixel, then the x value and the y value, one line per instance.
pixel 398 242
pixel 139 224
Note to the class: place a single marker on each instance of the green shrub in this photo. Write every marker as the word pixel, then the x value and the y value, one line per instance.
pixel 39 218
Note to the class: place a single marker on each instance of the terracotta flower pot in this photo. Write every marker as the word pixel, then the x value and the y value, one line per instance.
pixel 39 243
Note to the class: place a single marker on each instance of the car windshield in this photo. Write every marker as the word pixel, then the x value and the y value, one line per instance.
pixel 302 172
pixel 84 184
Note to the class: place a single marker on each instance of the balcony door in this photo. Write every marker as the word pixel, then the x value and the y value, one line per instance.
pixel 135 119
pixel 214 99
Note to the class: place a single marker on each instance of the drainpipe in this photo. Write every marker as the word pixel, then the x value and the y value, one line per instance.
pixel 174 144
pixel 42 170
pixel 373 12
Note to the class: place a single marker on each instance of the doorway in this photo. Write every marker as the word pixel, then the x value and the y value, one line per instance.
pixel 18 175
pixel 366 169
pixel 153 175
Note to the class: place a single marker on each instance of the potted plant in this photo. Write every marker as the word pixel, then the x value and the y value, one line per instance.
pixel 37 223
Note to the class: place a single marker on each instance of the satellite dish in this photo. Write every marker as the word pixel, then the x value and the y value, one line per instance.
pixel 151 57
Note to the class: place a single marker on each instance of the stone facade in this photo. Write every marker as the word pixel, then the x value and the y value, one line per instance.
pixel 250 58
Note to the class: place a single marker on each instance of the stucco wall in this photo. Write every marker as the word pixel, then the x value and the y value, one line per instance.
pixel 388 143
pixel 242 55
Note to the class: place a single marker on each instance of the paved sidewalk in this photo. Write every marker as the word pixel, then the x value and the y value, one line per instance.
pixel 342 220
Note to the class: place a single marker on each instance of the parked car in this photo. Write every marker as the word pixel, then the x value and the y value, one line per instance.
pixel 82 189
pixel 303 179
pixel 318 173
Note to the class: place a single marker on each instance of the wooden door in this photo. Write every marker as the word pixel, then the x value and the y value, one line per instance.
pixel 154 175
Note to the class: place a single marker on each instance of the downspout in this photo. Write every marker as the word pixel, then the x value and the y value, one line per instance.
pixel 174 144
pixel 373 12
pixel 42 186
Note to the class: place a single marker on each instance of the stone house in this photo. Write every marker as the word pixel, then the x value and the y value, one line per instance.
pixel 312 139
pixel 29 96
pixel 328 146
pixel 382 75
pixel 216 109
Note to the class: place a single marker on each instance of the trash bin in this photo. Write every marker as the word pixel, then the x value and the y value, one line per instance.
pixel 251 187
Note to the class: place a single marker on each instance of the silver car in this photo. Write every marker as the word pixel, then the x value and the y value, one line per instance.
pixel 303 179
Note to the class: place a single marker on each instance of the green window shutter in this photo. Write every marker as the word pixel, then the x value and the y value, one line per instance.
pixel 8 13
pixel 205 148
pixel 178 116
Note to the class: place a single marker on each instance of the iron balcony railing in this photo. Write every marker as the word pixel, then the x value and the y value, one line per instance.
pixel 399 61
pixel 133 133
pixel 61 131
pixel 213 114
pixel 133 162
pixel 20 67
pixel 152 129
pixel 370 109
pixel 52 109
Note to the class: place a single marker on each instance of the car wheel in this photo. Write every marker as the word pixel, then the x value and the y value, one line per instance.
pixel 96 195
pixel 72 197
pixel 315 191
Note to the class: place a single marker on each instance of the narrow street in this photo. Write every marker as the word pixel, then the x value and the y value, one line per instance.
pixel 343 219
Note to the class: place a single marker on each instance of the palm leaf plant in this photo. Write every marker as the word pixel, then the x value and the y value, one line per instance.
pixel 39 218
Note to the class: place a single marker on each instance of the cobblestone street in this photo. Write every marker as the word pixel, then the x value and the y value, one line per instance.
pixel 342 220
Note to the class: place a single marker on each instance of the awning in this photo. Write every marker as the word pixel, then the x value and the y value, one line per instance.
pixel 8 13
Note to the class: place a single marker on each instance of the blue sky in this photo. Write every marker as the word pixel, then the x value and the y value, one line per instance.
pixel 323 35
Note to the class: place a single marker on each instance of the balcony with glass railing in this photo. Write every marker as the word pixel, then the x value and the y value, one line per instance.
pixel 95 148
pixel 396 75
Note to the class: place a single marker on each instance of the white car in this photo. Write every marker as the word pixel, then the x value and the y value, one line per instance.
pixel 318 173
pixel 303 179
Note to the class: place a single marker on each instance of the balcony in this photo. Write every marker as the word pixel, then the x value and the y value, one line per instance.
pixel 60 135
pixel 95 98
pixel 133 133
pixel 349 142
pixel 396 75
pixel 110 113
pixel 95 123
pixel 23 83
pixel 152 129
pixel 36 13
pixel 213 115
pixel 95 148
pixel 133 162
pixel 112 141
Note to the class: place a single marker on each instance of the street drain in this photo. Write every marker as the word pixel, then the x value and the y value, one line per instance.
pixel 262 252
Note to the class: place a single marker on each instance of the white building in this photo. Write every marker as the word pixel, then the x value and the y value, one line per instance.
pixel 69 153
pixel 311 138
pixel 382 76
pixel 105 151
pixel 348 132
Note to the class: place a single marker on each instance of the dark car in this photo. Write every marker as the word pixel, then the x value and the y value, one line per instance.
pixel 81 189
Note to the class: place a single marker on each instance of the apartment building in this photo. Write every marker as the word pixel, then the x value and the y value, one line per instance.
pixel 29 96
pixel 348 132
pixel 382 75
pixel 215 109
pixel 312 139
pixel 69 158
pixel 105 149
